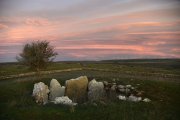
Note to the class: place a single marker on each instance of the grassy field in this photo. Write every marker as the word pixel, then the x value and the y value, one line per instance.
pixel 158 78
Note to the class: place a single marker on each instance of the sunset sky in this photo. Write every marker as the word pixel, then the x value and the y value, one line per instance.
pixel 92 29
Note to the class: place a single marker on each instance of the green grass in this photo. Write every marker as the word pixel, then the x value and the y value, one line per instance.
pixel 16 102
pixel 142 67
pixel 15 68
pixel 11 69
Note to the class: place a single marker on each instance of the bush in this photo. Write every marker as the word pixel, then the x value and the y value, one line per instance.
pixel 37 55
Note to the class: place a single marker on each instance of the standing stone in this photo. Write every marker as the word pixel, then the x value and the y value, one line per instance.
pixel 96 90
pixel 76 89
pixel 40 93
pixel 56 90
pixel 112 94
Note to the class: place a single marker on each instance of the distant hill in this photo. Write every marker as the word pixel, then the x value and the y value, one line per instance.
pixel 142 60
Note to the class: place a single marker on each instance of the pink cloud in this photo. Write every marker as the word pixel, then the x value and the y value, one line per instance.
pixel 106 37
pixel 112 53
pixel 37 21
pixel 2 26
pixel 176 50
pixel 161 32
pixel 110 47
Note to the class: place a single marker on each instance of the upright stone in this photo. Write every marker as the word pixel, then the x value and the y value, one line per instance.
pixel 56 90
pixel 76 89
pixel 113 94
pixel 95 90
pixel 40 93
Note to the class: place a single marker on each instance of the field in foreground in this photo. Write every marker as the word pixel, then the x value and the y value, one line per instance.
pixel 159 79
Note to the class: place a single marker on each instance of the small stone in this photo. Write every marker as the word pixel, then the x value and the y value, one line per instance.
pixel 122 90
pixel 134 98
pixel 121 86
pixel 64 100
pixel 132 88
pixel 128 86
pixel 147 100
pixel 127 90
pixel 121 97
pixel 114 83
pixel 113 88
pixel 140 93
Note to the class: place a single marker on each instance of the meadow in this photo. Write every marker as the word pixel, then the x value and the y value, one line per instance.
pixel 158 78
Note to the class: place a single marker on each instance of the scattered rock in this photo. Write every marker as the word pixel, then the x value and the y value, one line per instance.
pixel 76 89
pixel 127 90
pixel 40 93
pixel 147 100
pixel 122 90
pixel 132 88
pixel 134 98
pixel 63 100
pixel 96 90
pixel 114 83
pixel 121 86
pixel 56 90
pixel 113 88
pixel 128 86
pixel 122 97
pixel 140 93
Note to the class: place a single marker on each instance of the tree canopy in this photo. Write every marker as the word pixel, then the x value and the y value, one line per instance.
pixel 37 55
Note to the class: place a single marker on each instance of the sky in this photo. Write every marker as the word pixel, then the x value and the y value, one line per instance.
pixel 92 29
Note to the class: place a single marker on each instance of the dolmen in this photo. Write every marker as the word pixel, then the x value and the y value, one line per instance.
pixel 80 90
